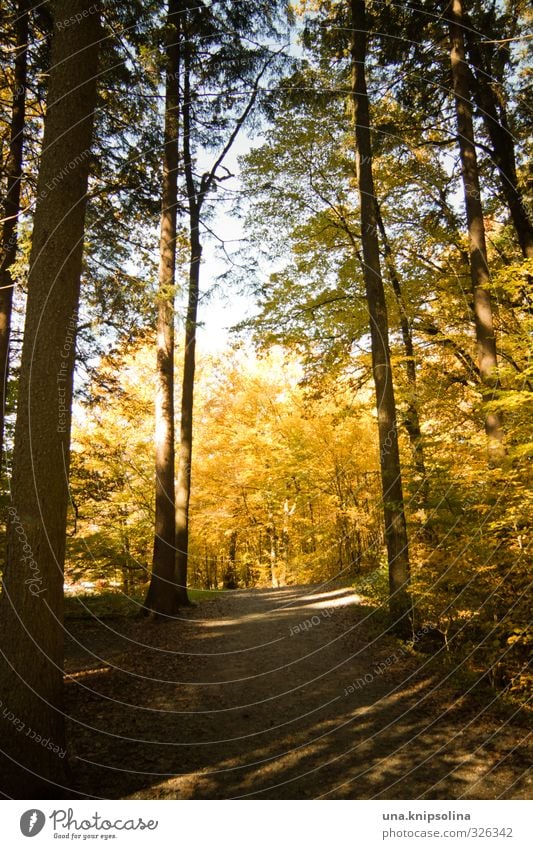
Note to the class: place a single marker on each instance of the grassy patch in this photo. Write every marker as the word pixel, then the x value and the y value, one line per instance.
pixel 110 603
pixel 202 595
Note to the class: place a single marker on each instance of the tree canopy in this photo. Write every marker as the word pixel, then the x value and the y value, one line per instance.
pixel 366 421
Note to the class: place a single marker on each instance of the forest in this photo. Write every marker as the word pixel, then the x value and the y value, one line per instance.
pixel 265 399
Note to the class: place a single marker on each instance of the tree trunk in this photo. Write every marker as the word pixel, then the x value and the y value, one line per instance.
pixel 230 577
pixel 312 535
pixel 479 269
pixel 183 493
pixel 391 477
pixel 162 597
pixel 196 195
pixel 31 667
pixel 127 578
pixel 412 419
pixel 284 543
pixel 494 115
pixel 272 542
pixel 12 200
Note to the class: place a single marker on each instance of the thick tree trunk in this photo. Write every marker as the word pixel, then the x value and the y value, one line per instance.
pixel 391 478
pixel 162 597
pixel 494 116
pixel 12 200
pixel 32 728
pixel 479 269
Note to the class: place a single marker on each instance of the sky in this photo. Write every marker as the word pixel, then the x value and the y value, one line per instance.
pixel 226 306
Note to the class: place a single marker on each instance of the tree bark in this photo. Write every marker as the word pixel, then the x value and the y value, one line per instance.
pixel 31 609
pixel 285 542
pixel 479 268
pixel 391 477
pixel 412 419
pixel 196 195
pixel 183 492
pixel 494 116
pixel 161 598
pixel 273 550
pixel 12 199
pixel 230 577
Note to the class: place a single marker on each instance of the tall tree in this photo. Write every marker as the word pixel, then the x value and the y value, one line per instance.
pixel 195 197
pixel 162 596
pixel 231 63
pixel 391 475
pixel 479 268
pixel 32 761
pixel 412 417
pixel 490 98
pixel 12 198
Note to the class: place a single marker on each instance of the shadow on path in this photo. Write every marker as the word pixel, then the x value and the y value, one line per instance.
pixel 291 693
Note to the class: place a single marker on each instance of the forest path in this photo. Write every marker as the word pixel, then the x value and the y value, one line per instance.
pixel 289 693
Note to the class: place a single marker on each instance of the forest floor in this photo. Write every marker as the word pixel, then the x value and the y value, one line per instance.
pixel 290 693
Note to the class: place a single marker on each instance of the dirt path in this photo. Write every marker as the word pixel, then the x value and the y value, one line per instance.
pixel 282 694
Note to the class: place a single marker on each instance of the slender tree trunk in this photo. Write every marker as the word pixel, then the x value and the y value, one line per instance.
pixel 494 116
pixel 162 597
pixel 196 195
pixel 230 578
pixel 312 535
pixel 285 542
pixel 479 269
pixel 391 477
pixel 183 491
pixel 412 419
pixel 31 620
pixel 273 551
pixel 12 200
